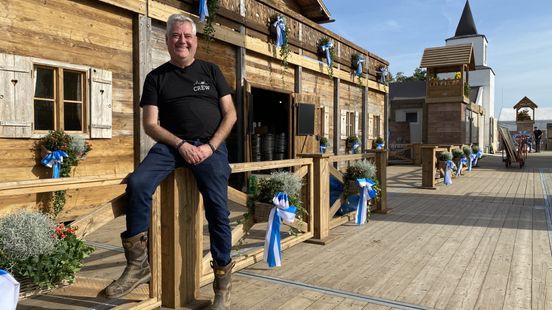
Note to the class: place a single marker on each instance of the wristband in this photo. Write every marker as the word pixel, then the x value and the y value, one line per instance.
pixel 180 144
pixel 211 146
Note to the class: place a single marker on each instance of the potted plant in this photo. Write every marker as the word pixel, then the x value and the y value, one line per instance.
pixel 280 31
pixel 323 144
pixel 443 158
pixel 326 49
pixel 34 249
pixel 353 144
pixel 266 188
pixel 379 143
pixel 361 169
pixel 356 63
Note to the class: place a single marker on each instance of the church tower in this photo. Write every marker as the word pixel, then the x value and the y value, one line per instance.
pixel 482 78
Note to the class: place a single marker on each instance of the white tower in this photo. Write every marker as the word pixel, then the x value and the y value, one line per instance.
pixel 482 79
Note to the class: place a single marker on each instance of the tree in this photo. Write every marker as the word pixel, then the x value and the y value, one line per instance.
pixel 418 75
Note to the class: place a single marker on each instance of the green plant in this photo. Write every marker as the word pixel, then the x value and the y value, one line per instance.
pixel 444 156
pixel 475 149
pixel 360 169
pixel 467 89
pixel 324 42
pixel 284 49
pixel 209 29
pixel 352 139
pixel 76 149
pixel 467 151
pixel 323 140
pixel 47 268
pixel 26 234
pixel 457 153
pixel 379 140
pixel 281 181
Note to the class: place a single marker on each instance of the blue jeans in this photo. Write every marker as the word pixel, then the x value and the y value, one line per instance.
pixel 212 180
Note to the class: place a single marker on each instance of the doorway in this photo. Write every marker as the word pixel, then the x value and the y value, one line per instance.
pixel 270 125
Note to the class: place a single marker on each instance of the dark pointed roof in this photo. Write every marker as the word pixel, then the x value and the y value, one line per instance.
pixel 525 103
pixel 466 26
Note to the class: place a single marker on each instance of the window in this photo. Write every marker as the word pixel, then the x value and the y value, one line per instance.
pixel 412 117
pixel 59 99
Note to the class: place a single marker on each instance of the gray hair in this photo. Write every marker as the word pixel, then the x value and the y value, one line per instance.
pixel 179 18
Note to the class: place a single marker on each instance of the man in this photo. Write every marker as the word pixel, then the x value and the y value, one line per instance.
pixel 538 135
pixel 188 110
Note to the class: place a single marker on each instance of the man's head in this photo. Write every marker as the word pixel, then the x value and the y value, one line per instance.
pixel 536 128
pixel 181 39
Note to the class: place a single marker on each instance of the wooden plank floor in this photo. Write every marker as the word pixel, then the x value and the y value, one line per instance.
pixel 481 243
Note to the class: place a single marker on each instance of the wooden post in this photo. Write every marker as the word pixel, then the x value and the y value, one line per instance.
pixel 428 167
pixel 182 238
pixel 381 174
pixel 321 198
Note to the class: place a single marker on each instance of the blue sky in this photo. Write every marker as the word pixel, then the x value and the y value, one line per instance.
pixel 519 35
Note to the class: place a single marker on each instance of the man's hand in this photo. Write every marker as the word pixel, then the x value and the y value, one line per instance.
pixel 195 154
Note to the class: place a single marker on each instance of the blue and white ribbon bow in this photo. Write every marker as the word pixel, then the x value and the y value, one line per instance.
pixel 379 146
pixel 322 148
pixel 366 192
pixel 203 10
pixel 358 70
pixel 326 48
pixel 10 291
pixel 448 172
pixel 478 155
pixel 461 164
pixel 470 161
pixel 280 26
pixel 355 147
pixel 282 211
pixel 54 160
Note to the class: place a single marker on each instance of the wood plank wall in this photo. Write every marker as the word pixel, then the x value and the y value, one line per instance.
pixel 350 98
pixel 86 33
pixel 269 73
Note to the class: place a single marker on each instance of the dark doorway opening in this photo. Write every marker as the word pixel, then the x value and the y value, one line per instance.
pixel 270 125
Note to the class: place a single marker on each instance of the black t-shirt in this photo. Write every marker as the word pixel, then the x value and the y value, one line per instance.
pixel 537 133
pixel 188 98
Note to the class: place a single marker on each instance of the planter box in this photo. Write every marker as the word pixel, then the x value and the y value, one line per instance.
pixel 262 212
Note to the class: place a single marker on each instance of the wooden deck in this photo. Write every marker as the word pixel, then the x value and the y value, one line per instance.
pixel 481 243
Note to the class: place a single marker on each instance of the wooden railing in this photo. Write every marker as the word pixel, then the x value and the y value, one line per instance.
pixel 100 216
pixel 445 88
pixel 430 163
pixel 176 232
pixel 325 165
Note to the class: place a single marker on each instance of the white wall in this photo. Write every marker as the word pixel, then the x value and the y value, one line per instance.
pixel 479 44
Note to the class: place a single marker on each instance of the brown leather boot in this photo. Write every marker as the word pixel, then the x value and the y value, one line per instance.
pixel 137 270
pixel 222 286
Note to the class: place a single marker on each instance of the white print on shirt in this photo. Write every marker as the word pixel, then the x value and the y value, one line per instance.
pixel 201 86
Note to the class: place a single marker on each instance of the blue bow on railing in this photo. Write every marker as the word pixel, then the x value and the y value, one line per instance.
pixel 54 160
pixel 203 10
pixel 461 164
pixel 448 172
pixel 280 26
pixel 358 70
pixel 355 147
pixel 322 148
pixel 326 48
pixel 366 192
pixel 379 146
pixel 470 161
pixel 282 211
pixel 478 155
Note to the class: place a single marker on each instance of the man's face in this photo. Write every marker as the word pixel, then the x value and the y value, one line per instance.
pixel 181 42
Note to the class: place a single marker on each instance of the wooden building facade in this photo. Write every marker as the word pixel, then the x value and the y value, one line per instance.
pixel 79 66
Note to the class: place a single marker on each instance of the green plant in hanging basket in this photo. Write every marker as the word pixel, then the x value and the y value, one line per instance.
pixel 284 48
pixel 467 151
pixel 76 149
pixel 324 42
pixel 324 140
pixel 354 64
pixel 475 149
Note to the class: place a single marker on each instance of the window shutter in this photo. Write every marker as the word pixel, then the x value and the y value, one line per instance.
pixel 101 105
pixel 326 123
pixel 16 96
pixel 343 124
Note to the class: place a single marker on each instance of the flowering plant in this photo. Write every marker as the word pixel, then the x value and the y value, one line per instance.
pixel 48 268
pixel 326 48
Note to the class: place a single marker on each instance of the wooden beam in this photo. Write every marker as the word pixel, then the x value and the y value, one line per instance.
pixel 336 173
pixel 237 196
pixel 52 185
pixel 335 207
pixel 100 216
pixel 301 172
pixel 137 6
pixel 265 165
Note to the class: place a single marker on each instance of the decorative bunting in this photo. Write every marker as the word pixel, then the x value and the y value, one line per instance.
pixel 282 211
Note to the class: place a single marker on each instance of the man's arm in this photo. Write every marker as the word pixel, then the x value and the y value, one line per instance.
pixel 229 118
pixel 150 117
